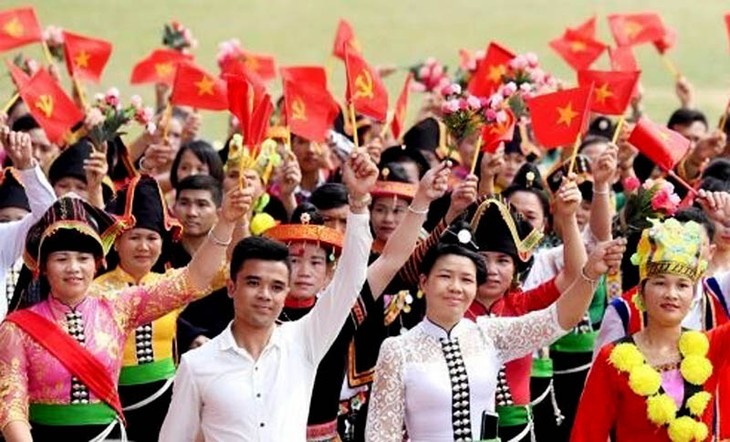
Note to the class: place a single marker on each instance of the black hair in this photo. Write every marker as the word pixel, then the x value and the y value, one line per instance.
pixel 699 216
pixel 257 248
pixel 591 140
pixel 205 153
pixel 329 196
pixel 314 216
pixel 26 123
pixel 444 248
pixel 685 117
pixel 712 184
pixel 396 173
pixel 719 168
pixel 201 182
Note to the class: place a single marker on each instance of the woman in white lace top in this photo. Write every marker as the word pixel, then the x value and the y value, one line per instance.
pixel 436 380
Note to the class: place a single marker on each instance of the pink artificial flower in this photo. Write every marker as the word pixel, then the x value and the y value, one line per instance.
pixel 631 184
pixel 416 86
pixel 94 117
pixel 509 89
pixel 480 54
pixel 495 100
pixel 430 61
pixel 525 87
pixel 501 116
pixel 532 60
pixel 662 200
pixel 471 65
pixel 518 63
pixel 443 81
pixel 423 72
pixel 136 102
pixel 150 128
pixel 450 106
pixel 437 71
pixel 490 115
pixel 474 102
pixel 32 65
pixel 53 34
pixel 463 105
pixel 99 97
pixel 455 89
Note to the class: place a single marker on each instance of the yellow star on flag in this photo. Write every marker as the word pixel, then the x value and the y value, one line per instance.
pixel 205 86
pixel 496 72
pixel 632 28
pixel 602 93
pixel 82 59
pixel 664 136
pixel 567 114
pixel 578 46
pixel 163 69
pixel 252 64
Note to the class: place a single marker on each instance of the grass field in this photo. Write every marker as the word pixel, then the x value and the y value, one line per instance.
pixel 399 32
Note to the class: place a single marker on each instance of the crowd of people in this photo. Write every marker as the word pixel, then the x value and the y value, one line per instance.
pixel 364 288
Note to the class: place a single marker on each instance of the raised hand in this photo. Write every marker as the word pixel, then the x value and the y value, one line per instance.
pixel 157 157
pixel 715 204
pixel 236 203
pixel 463 196
pixel 568 199
pixel 433 185
pixel 18 147
pixel 605 257
pixel 492 163
pixel 685 92
pixel 191 127
pixel 359 174
pixel 96 168
pixel 291 175
pixel 604 170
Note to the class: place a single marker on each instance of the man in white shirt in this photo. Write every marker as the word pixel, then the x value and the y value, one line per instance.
pixel 19 149
pixel 254 381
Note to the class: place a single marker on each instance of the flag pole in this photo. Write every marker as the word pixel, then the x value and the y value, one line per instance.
pixel 474 159
pixel 671 67
pixel 80 90
pixel 10 102
pixel 723 118
pixel 166 117
pixel 617 131
pixel 354 126
pixel 574 155
pixel 681 181
pixel 388 123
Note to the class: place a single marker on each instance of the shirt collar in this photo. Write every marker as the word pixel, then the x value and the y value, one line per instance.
pixel 228 342
pixel 431 328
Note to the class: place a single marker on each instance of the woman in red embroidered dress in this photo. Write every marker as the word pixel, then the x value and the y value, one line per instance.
pixel 658 384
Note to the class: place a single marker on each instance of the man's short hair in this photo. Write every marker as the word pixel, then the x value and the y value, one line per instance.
pixel 258 248
pixel 201 182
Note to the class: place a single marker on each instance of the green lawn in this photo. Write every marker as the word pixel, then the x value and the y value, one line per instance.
pixel 397 32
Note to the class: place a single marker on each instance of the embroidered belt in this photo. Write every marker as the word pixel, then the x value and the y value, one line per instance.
pixel 146 373
pixel 576 343
pixel 542 368
pixel 354 403
pixel 97 413
pixel 326 432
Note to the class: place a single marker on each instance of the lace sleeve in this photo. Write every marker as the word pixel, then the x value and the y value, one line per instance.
pixel 387 401
pixel 13 376
pixel 518 336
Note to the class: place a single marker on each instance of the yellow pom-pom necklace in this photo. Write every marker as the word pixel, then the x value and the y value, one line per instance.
pixel 645 381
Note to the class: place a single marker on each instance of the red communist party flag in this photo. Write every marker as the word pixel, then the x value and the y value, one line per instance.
pixel 365 89
pixel 309 106
pixel 401 109
pixel 158 67
pixel 577 50
pixel 19 27
pixel 633 29
pixel 558 118
pixel 86 57
pixel 612 90
pixel 198 89
pixel 489 72
pixel 54 111
pixel 663 146
pixel 345 40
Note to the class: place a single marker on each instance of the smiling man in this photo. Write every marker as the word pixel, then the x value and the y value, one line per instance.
pixel 254 381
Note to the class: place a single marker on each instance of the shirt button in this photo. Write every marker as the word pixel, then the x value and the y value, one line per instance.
pixel 258 394
pixel 261 425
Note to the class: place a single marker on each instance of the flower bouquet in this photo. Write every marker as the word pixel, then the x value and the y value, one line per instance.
pixel 429 76
pixel 107 117
pixel 178 37
pixel 53 38
pixel 525 79
pixel 655 199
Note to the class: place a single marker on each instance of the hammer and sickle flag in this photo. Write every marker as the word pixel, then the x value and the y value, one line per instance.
pixel 309 107
pixel 365 89
pixel 54 111
pixel 19 27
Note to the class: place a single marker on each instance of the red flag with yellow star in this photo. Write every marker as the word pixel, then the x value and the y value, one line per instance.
pixel 612 90
pixel 578 50
pixel 498 131
pixel 158 67
pixel 401 109
pixel 19 27
pixel 558 118
pixel 667 42
pixel 623 59
pixel 85 57
pixel 54 111
pixel 727 24
pixel 345 39
pixel 260 64
pixel 309 107
pixel 365 89
pixel 633 29
pixel 663 146
pixel 489 72
pixel 198 89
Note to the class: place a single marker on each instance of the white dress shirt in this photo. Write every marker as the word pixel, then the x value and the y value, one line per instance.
pixel 222 394
pixel 612 328
pixel 436 384
pixel 12 234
